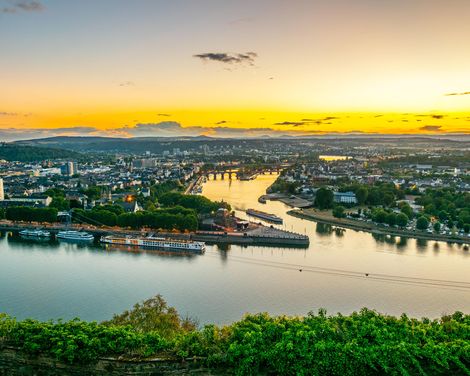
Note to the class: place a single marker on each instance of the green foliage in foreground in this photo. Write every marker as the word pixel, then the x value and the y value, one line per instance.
pixel 364 343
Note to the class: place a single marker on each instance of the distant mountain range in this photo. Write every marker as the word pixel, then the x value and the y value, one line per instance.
pixel 160 144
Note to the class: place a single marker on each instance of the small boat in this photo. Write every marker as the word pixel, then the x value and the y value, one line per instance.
pixel 266 216
pixel 154 242
pixel 75 235
pixel 35 233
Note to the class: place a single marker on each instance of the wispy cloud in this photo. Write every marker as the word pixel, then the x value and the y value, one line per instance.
pixel 292 123
pixel 308 121
pixel 228 58
pixel 5 113
pixel 432 128
pixel 221 122
pixel 164 115
pixel 22 6
pixel 127 83
pixel 454 94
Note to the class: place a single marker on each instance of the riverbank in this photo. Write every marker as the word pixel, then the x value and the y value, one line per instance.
pixel 327 217
pixel 258 235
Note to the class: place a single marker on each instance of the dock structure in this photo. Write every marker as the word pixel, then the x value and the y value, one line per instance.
pixel 260 235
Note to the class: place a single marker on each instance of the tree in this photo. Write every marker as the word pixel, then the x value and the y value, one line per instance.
pixel 93 193
pixel 153 315
pixel 380 216
pixel 437 227
pixel 60 203
pixel 422 223
pixel 401 219
pixel 405 208
pixel 361 195
pixel 388 198
pixel 391 219
pixel 374 197
pixel 338 211
pixel 324 199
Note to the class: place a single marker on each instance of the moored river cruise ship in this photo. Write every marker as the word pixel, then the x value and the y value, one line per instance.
pixel 266 216
pixel 155 242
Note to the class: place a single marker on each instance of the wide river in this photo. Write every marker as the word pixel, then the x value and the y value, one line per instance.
pixel 341 271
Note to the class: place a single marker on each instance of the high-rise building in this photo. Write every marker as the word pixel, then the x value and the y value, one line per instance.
pixel 70 168
pixel 2 193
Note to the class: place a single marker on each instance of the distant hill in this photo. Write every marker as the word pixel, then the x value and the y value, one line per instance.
pixel 139 145
pixel 27 153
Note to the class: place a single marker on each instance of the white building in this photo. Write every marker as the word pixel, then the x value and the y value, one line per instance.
pixel 2 192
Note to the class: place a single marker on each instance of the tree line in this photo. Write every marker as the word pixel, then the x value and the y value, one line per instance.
pixel 362 343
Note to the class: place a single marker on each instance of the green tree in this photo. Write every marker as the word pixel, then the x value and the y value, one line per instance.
pixel 153 315
pixel 380 216
pixel 338 211
pixel 361 195
pixel 391 219
pixel 324 199
pixel 405 208
pixel 437 227
pixel 401 219
pixel 422 223
pixel 93 193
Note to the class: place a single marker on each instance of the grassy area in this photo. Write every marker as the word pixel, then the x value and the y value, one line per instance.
pixel 363 343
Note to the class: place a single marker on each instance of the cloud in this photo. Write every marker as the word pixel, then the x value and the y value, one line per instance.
pixel 431 128
pixel 291 123
pixel 127 83
pixel 5 113
pixel 23 6
pixel 241 20
pixel 175 129
pixel 454 94
pixel 221 122
pixel 14 134
pixel 439 117
pixel 228 58
pixel 306 121
pixel 164 115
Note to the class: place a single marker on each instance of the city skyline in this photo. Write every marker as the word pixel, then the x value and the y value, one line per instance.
pixel 245 68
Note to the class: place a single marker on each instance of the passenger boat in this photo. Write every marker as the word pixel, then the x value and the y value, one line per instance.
pixel 266 216
pixel 75 235
pixel 35 233
pixel 154 242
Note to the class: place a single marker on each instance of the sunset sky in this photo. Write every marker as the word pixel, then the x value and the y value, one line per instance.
pixel 150 67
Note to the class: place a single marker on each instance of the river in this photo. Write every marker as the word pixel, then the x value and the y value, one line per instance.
pixel 61 280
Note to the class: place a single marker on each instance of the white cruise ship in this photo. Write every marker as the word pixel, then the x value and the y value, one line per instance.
pixel 75 235
pixel 35 233
pixel 155 242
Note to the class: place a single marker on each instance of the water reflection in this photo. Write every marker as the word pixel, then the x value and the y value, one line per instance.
pixel 17 241
pixel 403 242
pixel 323 229
pixel 421 245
